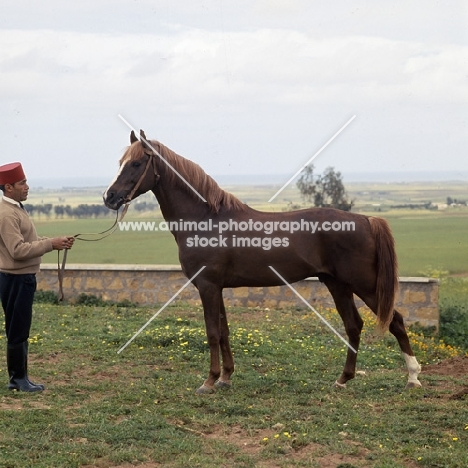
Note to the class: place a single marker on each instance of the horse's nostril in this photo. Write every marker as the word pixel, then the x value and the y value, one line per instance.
pixel 108 196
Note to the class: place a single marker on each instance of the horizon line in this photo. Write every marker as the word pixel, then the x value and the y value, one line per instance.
pixel 236 179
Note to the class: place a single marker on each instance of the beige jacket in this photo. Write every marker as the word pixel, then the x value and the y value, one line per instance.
pixel 20 247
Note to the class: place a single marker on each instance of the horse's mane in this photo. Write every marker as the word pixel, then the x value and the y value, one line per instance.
pixel 217 198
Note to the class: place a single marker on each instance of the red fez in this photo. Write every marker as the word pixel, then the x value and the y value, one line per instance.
pixel 11 173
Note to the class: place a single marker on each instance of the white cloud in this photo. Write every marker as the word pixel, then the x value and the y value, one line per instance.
pixel 243 79
pixel 200 66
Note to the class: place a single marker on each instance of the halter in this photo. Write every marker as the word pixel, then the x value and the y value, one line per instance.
pixel 129 197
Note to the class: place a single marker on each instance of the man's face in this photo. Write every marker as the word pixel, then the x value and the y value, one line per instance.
pixel 17 191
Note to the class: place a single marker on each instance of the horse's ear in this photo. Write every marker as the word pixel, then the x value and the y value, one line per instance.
pixel 145 143
pixel 133 138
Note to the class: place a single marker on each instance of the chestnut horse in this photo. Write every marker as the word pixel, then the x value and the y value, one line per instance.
pixel 239 246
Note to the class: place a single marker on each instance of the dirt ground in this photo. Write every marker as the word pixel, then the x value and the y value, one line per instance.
pixel 457 368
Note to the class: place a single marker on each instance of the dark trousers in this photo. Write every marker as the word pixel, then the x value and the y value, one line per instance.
pixel 17 295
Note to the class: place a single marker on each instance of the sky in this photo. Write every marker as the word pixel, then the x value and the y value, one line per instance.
pixel 250 88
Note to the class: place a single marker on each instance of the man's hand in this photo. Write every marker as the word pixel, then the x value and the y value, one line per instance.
pixel 61 243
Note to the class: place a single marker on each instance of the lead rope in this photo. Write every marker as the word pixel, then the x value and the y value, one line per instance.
pixel 103 234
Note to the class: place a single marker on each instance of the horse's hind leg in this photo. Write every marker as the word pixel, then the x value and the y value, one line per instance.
pixel 397 329
pixel 344 301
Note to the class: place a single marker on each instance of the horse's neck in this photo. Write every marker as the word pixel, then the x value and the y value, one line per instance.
pixel 176 203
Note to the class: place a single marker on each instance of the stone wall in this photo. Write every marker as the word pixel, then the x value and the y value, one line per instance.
pixel 417 299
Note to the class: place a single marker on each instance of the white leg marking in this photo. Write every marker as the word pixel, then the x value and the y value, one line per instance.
pixel 413 371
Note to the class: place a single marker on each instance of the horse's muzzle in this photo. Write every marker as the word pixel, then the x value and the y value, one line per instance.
pixel 113 200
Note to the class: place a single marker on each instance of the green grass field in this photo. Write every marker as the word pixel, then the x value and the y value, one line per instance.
pixel 426 245
pixel 102 409
pixel 119 248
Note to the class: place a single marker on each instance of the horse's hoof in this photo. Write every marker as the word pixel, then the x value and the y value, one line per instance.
pixel 223 384
pixel 205 390
pixel 339 385
pixel 413 384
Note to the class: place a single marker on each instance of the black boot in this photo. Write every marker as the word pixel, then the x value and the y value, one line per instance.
pixel 26 352
pixel 17 358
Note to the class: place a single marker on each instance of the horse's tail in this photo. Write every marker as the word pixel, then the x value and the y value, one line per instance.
pixel 387 271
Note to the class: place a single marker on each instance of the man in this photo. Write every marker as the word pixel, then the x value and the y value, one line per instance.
pixel 21 251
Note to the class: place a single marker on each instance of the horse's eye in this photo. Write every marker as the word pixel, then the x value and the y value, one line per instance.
pixel 136 164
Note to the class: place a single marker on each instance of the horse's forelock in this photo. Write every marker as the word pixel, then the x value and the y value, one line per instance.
pixel 133 152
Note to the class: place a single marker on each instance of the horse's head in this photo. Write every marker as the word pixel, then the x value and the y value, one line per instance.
pixel 137 173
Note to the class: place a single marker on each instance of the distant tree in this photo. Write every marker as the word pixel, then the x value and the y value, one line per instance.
pixel 29 208
pixel 324 190
pixel 455 201
pixel 68 210
pixel 38 209
pixel 46 209
pixel 306 184
pixel 59 211
pixel 144 206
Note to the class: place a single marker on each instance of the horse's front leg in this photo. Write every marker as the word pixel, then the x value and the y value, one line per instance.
pixel 211 297
pixel 226 353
